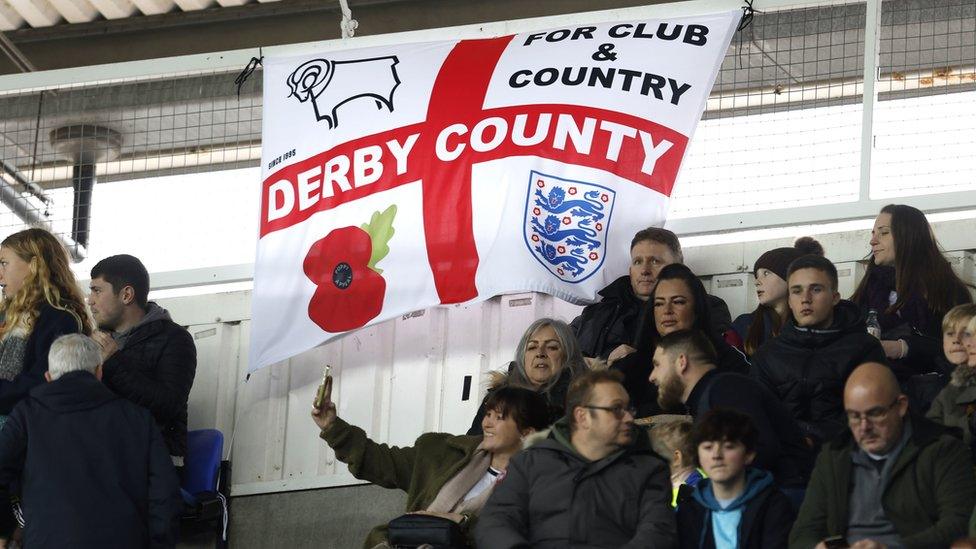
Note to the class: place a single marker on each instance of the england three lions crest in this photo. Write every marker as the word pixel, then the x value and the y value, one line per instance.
pixel 566 225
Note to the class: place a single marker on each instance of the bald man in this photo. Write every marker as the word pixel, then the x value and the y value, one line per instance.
pixel 892 480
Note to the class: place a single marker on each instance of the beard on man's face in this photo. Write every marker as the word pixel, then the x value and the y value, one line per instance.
pixel 669 394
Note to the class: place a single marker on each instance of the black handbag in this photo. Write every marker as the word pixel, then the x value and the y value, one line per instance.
pixel 415 530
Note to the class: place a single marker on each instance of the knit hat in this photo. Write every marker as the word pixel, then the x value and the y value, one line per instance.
pixel 778 260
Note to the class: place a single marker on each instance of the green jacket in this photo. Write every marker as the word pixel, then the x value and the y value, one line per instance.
pixel 420 471
pixel 929 497
pixel 949 407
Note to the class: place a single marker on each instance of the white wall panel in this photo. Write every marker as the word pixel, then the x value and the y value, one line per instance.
pixel 849 274
pixel 415 375
pixel 217 382
pixel 734 289
pixel 466 343
pixel 305 453
pixel 962 263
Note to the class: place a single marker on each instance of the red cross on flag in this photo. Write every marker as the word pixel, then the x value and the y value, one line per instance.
pixel 405 176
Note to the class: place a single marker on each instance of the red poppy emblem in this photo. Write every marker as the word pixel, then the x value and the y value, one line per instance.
pixel 349 292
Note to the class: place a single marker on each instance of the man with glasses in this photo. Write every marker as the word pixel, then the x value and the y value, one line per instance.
pixel 892 480
pixel 592 482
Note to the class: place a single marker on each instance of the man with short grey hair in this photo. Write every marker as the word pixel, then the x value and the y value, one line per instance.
pixel 74 353
pixel 92 467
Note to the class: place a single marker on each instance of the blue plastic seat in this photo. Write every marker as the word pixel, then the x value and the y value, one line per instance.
pixel 201 468
pixel 206 479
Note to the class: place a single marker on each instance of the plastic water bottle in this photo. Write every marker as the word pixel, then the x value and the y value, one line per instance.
pixel 874 327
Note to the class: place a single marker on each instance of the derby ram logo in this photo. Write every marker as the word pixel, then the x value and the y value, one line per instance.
pixel 331 84
pixel 566 225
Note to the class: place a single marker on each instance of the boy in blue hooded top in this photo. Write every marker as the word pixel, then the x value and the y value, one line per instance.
pixel 737 506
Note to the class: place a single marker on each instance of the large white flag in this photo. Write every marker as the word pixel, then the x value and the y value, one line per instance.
pixel 405 176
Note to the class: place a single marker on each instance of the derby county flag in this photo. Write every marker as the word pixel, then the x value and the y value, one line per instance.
pixel 405 176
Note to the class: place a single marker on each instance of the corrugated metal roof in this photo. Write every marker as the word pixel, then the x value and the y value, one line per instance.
pixel 18 14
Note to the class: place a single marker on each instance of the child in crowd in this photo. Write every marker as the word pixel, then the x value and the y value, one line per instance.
pixel 737 506
pixel 955 406
pixel 672 441
pixel 766 322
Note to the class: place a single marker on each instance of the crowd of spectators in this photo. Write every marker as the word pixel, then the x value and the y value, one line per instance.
pixel 668 425
pixel 93 403
pixel 652 420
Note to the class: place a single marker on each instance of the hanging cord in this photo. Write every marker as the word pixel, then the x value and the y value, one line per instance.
pixel 748 13
pixel 37 133
pixel 348 25
pixel 249 69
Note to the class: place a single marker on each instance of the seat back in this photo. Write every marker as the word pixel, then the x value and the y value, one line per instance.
pixel 201 467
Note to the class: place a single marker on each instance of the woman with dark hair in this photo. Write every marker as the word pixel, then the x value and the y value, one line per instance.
pixel 678 302
pixel 911 286
pixel 547 359
pixel 444 475
pixel 755 328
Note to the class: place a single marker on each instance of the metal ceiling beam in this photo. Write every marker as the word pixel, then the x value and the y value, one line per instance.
pixel 30 215
pixel 16 56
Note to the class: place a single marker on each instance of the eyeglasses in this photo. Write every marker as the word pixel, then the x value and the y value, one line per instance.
pixel 873 416
pixel 618 411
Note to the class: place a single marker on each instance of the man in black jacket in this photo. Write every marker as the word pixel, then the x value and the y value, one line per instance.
pixel 92 468
pixel 148 358
pixel 685 373
pixel 807 365
pixel 606 329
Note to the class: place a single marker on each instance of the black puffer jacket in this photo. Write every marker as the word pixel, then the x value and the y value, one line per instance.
pixel 807 368
pixel 604 326
pixel 155 370
pixel 552 497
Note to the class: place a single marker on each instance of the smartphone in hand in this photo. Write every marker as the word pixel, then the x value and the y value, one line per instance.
pixel 325 388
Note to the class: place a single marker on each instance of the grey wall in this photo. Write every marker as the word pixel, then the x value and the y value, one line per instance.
pixel 331 518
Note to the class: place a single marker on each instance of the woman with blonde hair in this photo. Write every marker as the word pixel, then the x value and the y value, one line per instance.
pixel 41 302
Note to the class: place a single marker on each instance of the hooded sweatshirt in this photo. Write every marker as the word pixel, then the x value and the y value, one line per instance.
pixel 153 313
pixel 760 516
pixel 726 519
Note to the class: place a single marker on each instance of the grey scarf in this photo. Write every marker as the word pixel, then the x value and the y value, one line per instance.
pixel 13 351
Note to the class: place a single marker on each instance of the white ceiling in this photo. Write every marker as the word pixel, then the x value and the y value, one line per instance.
pixel 17 14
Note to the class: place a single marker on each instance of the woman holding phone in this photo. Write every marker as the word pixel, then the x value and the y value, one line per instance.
pixel 444 475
